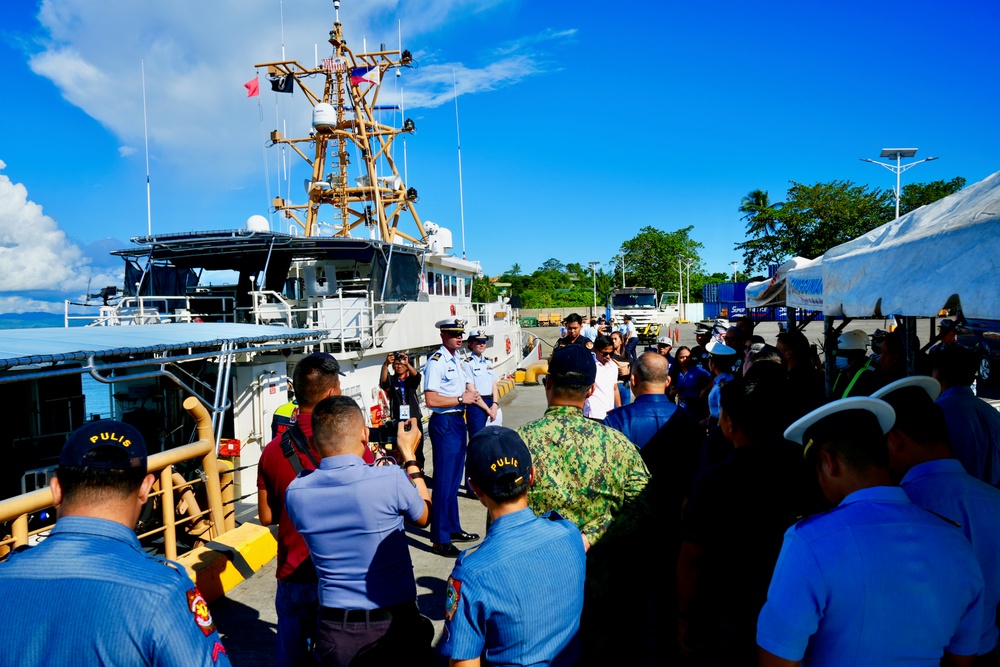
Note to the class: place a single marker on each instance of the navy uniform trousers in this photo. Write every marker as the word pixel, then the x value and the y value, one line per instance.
pixel 447 431
pixel 475 417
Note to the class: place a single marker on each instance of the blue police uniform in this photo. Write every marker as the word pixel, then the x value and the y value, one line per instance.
pixel 444 375
pixel 479 372
pixel 943 486
pixel 715 395
pixel 516 599
pixel 89 595
pixel 876 581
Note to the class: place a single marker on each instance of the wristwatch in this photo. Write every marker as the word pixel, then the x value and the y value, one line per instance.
pixel 459 400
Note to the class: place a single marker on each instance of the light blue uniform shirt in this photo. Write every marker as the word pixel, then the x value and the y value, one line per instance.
pixel 351 517
pixel 875 581
pixel 479 372
pixel 974 432
pixel 443 373
pixel 943 486
pixel 89 595
pixel 517 598
pixel 715 394
pixel 589 332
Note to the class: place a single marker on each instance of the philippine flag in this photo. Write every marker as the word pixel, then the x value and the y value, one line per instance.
pixel 361 75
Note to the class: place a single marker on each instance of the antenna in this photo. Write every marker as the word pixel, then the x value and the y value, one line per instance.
pixel 281 15
pixel 145 133
pixel 458 136
pixel 336 10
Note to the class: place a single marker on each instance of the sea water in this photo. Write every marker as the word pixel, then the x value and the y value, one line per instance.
pixel 98 397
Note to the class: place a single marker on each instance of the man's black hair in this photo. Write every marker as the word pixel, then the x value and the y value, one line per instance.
pixel 573 317
pixel 853 436
pixel 313 377
pixel 334 419
pixel 918 416
pixel 956 365
pixel 602 342
pixel 95 484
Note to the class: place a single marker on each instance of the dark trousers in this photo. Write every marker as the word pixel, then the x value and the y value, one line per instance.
pixel 630 348
pixel 475 417
pixel 448 445
pixel 361 639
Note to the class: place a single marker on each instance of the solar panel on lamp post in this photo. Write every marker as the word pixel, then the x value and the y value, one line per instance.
pixel 898 168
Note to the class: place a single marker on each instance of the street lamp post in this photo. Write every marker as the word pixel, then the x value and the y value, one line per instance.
pixel 897 168
pixel 688 261
pixel 621 251
pixel 593 270
pixel 734 264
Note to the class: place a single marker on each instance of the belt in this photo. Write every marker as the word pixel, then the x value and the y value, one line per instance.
pixel 486 397
pixel 365 615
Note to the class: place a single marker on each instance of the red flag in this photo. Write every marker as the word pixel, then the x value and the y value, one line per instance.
pixel 253 87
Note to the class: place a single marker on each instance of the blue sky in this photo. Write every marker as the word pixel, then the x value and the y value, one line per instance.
pixel 581 122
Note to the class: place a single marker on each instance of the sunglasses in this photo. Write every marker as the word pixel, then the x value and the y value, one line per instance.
pixel 453 334
pixel 607 353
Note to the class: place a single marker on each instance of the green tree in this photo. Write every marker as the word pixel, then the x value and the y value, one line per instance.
pixel 514 270
pixel 813 219
pixel 916 195
pixel 552 264
pixel 483 290
pixel 763 222
pixel 651 258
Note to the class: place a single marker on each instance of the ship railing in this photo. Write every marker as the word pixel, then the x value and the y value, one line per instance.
pixel 171 492
pixel 147 310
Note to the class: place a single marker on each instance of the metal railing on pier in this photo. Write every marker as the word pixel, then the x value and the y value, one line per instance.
pixel 172 492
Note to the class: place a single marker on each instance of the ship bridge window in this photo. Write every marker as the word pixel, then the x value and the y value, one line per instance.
pixel 452 285
pixel 438 284
pixel 468 289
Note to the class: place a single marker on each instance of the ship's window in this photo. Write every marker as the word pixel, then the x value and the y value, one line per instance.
pixel 452 286
pixel 430 282
pixel 438 288
pixel 468 289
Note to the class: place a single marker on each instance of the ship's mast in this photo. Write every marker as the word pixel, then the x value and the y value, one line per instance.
pixel 344 114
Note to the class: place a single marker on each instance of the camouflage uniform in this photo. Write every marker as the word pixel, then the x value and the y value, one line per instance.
pixel 584 470
pixel 594 476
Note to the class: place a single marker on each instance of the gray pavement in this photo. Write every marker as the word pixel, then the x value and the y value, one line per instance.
pixel 246 618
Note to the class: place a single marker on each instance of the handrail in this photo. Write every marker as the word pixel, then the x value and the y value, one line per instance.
pixel 18 509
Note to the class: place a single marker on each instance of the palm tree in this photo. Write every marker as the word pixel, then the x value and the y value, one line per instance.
pixel 763 219
pixel 515 270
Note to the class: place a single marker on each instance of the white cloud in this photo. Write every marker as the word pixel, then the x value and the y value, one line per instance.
pixel 35 253
pixel 19 304
pixel 195 64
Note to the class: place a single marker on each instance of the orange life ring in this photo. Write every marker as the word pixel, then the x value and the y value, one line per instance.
pixel 508 344
pixel 453 309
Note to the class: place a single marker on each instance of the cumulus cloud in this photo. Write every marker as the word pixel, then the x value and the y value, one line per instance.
pixel 35 253
pixel 195 64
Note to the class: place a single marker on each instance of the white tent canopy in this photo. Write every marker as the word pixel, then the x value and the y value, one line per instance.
pixel 798 283
pixel 915 265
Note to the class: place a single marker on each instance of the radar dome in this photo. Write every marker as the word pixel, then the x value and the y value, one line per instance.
pixel 258 223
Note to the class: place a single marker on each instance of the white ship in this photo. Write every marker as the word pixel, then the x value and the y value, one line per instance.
pixel 372 279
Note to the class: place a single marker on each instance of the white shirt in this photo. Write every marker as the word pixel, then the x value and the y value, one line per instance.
pixel 602 400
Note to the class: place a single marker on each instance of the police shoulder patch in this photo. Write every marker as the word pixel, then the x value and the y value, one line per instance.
pixel 452 597
pixel 199 608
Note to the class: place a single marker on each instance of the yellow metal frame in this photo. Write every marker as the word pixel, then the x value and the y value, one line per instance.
pixel 17 510
pixel 374 203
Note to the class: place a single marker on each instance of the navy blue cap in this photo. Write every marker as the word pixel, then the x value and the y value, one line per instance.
pixel 497 461
pixel 107 444
pixel 574 364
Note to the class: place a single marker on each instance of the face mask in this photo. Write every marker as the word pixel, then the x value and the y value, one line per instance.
pixel 842 363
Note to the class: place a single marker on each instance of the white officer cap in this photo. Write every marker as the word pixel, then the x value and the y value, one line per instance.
pixel 925 382
pixel 664 340
pixel 717 349
pixel 883 412
pixel 451 324
pixel 478 334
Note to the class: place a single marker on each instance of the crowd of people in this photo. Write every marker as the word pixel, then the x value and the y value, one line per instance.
pixel 721 511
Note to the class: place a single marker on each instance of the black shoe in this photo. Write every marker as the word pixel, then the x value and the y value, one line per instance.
pixel 447 550
pixel 463 536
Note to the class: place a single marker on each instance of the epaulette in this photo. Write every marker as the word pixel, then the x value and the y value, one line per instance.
pixel 553 515
pixel 436 356
pixel 804 520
